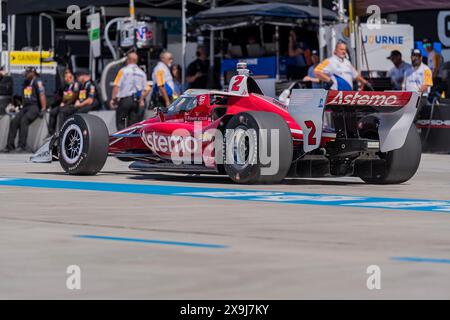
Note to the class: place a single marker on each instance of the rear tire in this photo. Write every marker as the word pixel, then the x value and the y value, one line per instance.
pixel 83 145
pixel 251 170
pixel 401 164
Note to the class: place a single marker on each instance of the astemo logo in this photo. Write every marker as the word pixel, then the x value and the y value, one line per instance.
pixel 240 147
pixel 367 99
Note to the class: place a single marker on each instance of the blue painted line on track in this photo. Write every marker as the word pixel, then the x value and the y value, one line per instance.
pixel 418 259
pixel 151 241
pixel 424 205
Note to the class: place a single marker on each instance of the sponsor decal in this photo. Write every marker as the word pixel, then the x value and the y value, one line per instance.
pixel 191 118
pixel 438 124
pixel 171 144
pixel 241 147
pixel 381 39
pixel 355 98
pixel 202 100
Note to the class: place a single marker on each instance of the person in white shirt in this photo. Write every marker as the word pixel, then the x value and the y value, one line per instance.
pixel 129 92
pixel 164 87
pixel 398 71
pixel 418 77
pixel 337 71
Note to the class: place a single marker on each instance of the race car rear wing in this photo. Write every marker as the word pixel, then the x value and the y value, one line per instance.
pixel 395 110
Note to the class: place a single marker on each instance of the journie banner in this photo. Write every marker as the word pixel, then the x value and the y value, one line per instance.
pixel 377 44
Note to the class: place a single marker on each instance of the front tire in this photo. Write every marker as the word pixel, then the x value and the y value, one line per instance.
pixel 83 145
pixel 401 164
pixel 244 147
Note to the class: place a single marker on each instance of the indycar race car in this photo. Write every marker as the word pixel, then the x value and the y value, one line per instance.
pixel 255 139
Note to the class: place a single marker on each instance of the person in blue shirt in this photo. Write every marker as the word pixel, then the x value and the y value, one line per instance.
pixel 315 83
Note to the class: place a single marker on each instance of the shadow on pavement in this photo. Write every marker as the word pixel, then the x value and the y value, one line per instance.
pixel 205 179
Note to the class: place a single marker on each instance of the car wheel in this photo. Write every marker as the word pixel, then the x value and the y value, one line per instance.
pixel 245 162
pixel 83 145
pixel 401 164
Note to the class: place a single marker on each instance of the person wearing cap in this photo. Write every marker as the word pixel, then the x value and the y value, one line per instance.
pixel 397 72
pixel 418 77
pixel 315 83
pixel 337 71
pixel 129 92
pixel 68 97
pixel 435 61
pixel 33 101
pixel 87 98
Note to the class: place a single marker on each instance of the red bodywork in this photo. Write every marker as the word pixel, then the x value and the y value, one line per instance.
pixel 165 124
pixel 158 129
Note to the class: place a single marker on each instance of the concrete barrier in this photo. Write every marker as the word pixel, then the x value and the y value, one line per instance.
pixel 4 129
pixel 109 117
pixel 37 132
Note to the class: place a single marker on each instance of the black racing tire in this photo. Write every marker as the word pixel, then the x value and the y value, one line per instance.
pixel 83 144
pixel 251 171
pixel 401 164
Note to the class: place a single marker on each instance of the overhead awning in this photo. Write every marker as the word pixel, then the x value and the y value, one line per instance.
pixel 268 13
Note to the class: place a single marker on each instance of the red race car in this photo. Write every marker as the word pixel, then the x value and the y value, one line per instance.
pixel 253 138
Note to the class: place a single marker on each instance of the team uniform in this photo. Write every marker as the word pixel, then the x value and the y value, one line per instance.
pixel 30 111
pixel 397 74
pixel 433 58
pixel 87 90
pixel 341 72
pixel 69 95
pixel 414 78
pixel 162 77
pixel 131 81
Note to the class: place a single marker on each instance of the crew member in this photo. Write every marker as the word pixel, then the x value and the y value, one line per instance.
pixel 337 71
pixel 398 71
pixel 87 98
pixel 198 70
pixel 163 89
pixel 418 77
pixel 34 101
pixel 315 83
pixel 435 61
pixel 129 92
pixel 69 96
